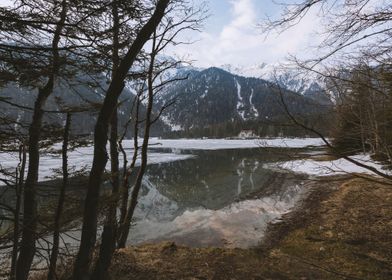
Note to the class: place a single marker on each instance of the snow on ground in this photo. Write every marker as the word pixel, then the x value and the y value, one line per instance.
pixel 222 144
pixel 252 106
pixel 240 103
pixel 328 168
pixel 78 159
pixel 82 157
pixel 173 127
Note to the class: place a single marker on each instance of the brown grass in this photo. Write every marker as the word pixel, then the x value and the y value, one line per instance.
pixel 342 231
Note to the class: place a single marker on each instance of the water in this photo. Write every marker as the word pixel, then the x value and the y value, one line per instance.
pixel 216 198
pixel 213 198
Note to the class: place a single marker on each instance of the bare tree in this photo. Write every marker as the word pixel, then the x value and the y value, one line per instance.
pixel 61 200
pixel 354 55
pixel 165 35
pixel 89 229
pixel 355 27
pixel 19 193
pixel 108 242
pixel 27 249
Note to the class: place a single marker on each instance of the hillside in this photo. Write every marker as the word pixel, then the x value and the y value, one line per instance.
pixel 210 102
pixel 216 98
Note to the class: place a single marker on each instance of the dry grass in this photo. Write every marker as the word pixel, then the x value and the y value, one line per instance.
pixel 342 231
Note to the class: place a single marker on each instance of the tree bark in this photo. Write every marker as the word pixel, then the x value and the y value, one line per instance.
pixel 108 241
pixel 90 216
pixel 19 192
pixel 60 203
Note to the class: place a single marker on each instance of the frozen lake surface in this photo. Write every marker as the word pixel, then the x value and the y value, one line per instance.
pixel 200 192
pixel 210 192
pixel 330 167
pixel 82 157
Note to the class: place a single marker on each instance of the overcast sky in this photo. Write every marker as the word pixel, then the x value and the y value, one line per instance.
pixel 231 35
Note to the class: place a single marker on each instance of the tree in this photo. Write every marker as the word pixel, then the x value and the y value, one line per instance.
pixel 357 42
pixel 89 229
pixel 363 111
pixel 41 43
pixel 180 17
pixel 108 242
pixel 61 200
pixel 27 249
pixel 150 84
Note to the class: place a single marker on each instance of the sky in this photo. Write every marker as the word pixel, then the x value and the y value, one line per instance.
pixel 232 35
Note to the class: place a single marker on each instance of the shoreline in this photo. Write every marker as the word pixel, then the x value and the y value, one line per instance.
pixel 317 191
pixel 316 240
pixel 340 230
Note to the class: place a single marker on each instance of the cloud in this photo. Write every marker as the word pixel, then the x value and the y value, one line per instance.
pixel 240 41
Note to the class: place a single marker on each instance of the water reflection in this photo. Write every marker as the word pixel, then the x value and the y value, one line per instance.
pixel 222 198
pixel 218 198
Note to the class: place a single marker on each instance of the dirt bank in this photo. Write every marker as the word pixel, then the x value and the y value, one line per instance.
pixel 342 231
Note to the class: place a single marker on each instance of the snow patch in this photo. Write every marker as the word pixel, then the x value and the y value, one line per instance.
pixel 329 168
pixel 240 103
pixel 252 106
pixel 78 159
pixel 168 122
pixel 222 144
pixel 205 92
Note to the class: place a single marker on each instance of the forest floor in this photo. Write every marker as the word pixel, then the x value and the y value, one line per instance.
pixel 342 230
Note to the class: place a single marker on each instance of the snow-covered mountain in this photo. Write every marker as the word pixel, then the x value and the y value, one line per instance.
pixel 212 99
pixel 217 98
pixel 285 76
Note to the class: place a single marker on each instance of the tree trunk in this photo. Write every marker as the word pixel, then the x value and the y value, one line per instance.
pixel 127 173
pixel 60 203
pixel 143 165
pixel 108 242
pixel 27 248
pixel 90 216
pixel 19 192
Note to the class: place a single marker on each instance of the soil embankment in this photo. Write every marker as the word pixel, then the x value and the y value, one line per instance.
pixel 341 231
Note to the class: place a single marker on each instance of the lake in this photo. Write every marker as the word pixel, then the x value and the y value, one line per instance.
pixel 215 198
pixel 206 192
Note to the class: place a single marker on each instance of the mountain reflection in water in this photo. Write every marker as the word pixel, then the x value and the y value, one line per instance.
pixel 213 198
pixel 218 198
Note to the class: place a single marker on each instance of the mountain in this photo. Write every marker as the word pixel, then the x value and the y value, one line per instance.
pixel 209 102
pixel 215 97
pixel 82 91
pixel 285 76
